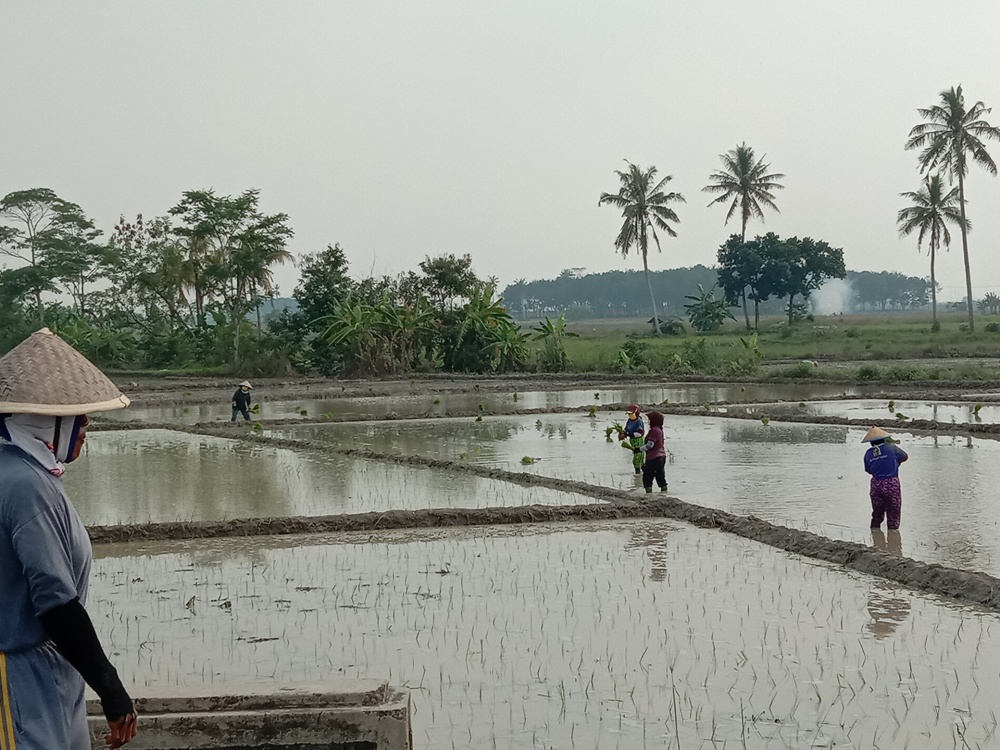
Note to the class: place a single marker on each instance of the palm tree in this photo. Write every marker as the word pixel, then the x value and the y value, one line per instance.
pixel 933 206
pixel 949 137
pixel 746 180
pixel 645 209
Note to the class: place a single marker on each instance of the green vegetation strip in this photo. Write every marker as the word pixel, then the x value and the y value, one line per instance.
pixel 977 588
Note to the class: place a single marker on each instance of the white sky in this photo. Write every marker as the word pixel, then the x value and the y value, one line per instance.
pixel 407 129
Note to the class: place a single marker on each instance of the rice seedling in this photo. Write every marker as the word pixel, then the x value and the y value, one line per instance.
pixel 505 644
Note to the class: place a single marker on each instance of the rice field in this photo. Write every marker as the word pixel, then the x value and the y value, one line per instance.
pixel 144 476
pixel 639 634
pixel 806 476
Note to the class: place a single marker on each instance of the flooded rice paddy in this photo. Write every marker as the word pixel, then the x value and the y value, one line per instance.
pixel 941 411
pixel 806 476
pixel 378 407
pixel 142 476
pixel 611 635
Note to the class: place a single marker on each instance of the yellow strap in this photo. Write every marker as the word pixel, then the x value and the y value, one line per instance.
pixel 7 741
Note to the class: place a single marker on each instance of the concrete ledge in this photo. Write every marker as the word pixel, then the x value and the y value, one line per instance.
pixel 335 715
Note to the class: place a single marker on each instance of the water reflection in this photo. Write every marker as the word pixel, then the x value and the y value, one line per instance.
pixel 887 610
pixel 143 476
pixel 653 539
pixel 940 411
pixel 751 432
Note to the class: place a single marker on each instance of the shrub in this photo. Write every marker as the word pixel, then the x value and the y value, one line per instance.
pixel 672 327
pixel 936 327
pixel 993 327
pixel 869 372
pixel 852 333
pixel 902 374
pixel 800 370
pixel 964 328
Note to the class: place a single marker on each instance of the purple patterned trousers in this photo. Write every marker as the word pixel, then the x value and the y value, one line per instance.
pixel 887 500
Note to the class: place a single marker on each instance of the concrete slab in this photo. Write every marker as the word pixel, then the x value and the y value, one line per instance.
pixel 334 715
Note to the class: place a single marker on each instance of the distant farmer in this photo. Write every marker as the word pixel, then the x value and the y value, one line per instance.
pixel 882 461
pixel 48 645
pixel 655 452
pixel 241 401
pixel 631 437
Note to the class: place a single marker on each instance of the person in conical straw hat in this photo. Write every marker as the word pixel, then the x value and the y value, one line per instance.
pixel 882 461
pixel 48 646
pixel 241 401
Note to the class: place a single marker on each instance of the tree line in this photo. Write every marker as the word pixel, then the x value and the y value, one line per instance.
pixel 950 137
pixel 186 290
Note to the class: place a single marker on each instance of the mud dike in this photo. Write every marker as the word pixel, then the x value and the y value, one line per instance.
pixel 973 587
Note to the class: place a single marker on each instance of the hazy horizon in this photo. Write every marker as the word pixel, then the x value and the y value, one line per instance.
pixel 401 131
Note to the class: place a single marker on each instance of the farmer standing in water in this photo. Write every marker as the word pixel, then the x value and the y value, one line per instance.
pixel 882 461
pixel 241 401
pixel 48 645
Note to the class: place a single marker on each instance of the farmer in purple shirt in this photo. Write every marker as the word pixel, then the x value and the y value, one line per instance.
pixel 656 454
pixel 882 461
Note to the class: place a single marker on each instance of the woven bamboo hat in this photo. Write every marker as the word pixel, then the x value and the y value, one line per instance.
pixel 45 375
pixel 875 433
pixel 246 384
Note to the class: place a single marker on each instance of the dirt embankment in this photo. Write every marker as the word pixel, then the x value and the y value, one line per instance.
pixel 978 588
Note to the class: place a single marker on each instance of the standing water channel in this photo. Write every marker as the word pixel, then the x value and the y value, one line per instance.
pixel 378 407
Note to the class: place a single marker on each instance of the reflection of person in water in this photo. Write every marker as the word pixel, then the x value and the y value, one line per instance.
pixel 887 610
pixel 652 537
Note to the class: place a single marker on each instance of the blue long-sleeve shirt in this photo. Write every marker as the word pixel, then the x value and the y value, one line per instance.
pixel 882 460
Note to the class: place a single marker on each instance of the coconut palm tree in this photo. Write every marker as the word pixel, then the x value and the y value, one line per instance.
pixel 932 208
pixel 645 208
pixel 745 179
pixel 950 136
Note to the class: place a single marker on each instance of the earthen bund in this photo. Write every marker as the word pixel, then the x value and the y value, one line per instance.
pixel 333 715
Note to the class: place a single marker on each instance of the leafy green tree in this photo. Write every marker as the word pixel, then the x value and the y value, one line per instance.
pixel 231 247
pixel 705 312
pixel 808 263
pixel 448 277
pixel 932 208
pixel 751 269
pixel 33 219
pixel 645 207
pixel 950 136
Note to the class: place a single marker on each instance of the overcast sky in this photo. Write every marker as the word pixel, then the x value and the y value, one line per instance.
pixel 409 129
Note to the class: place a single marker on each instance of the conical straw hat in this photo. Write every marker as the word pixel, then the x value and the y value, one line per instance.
pixel 875 433
pixel 246 383
pixel 45 375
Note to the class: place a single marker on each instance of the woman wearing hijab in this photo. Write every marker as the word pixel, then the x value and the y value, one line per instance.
pixel 48 645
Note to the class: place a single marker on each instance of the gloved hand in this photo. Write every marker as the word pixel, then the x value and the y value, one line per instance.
pixel 122 731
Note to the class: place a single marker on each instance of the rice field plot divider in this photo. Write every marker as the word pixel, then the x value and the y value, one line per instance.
pixel 975 587
pixel 914 426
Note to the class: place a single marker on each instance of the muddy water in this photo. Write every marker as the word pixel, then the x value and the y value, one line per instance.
pixel 806 476
pixel 621 635
pixel 158 475
pixel 378 406
pixel 942 411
